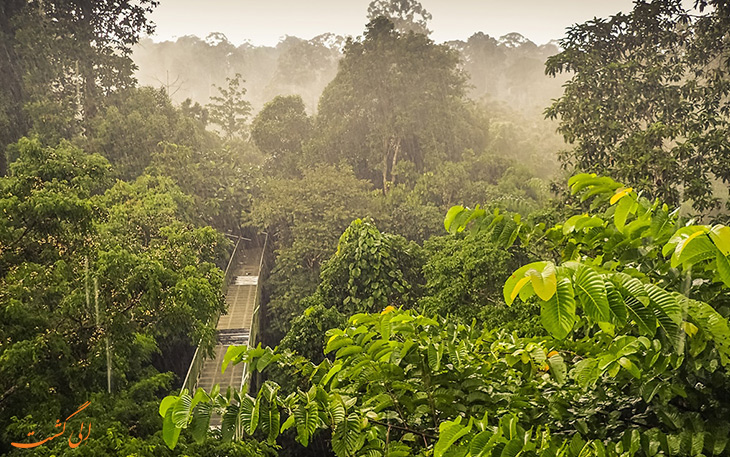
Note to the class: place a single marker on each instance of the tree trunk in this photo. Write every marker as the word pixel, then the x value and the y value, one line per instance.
pixel 386 148
pixel 12 92
pixel 86 30
pixel 396 150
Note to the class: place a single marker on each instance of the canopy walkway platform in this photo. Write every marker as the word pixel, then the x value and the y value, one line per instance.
pixel 234 328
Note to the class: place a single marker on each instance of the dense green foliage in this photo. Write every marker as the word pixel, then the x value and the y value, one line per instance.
pixel 84 262
pixel 466 273
pixel 540 320
pixel 280 131
pixel 629 363
pixel 63 60
pixel 375 113
pixel 128 133
pixel 648 99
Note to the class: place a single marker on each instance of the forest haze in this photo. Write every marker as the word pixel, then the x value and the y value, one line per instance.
pixel 371 246
pixel 509 69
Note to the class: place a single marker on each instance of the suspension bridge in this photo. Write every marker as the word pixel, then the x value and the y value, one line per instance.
pixel 237 326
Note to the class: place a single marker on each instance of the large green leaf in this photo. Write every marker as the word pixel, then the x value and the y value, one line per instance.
pixel 668 312
pixel 232 353
pixel 680 235
pixel 269 418
pixel 720 236
pixel 637 301
pixel 714 324
pixel 585 372
pixel 288 423
pixel 723 268
pixel 249 413
pixel 558 313
pixel 181 410
pixel 579 180
pixel 624 207
pixel 641 315
pixel 230 425
pixel 570 225
pixel 583 180
pixel 167 402
pixel 336 342
pixel 590 290
pixel 513 447
pixel 544 282
pixel 306 416
pixel 200 423
pixel 347 438
pixel 616 305
pixel 459 217
pixel 337 408
pixel 449 433
pixel 481 444
pixel 693 249
pixel 517 277
pixel 450 215
pixel 629 366
pixel 170 432
pixel 558 369
pixel 665 301
pixel 434 356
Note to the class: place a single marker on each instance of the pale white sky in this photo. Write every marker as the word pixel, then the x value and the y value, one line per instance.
pixel 265 22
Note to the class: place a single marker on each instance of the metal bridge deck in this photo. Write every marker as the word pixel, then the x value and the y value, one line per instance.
pixel 234 327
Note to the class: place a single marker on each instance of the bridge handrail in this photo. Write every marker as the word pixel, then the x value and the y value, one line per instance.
pixel 254 317
pixel 191 378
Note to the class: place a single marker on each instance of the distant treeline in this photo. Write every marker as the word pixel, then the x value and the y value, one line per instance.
pixel 508 69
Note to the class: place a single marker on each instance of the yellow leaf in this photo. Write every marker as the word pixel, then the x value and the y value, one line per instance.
pixel 690 328
pixel 518 287
pixel 686 242
pixel 544 283
pixel 620 193
pixel 387 310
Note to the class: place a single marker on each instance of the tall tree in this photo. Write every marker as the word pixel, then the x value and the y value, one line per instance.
pixel 228 109
pixel 280 130
pixel 13 121
pixel 396 97
pixel 158 283
pixel 648 102
pixel 65 57
pixel 406 15
pixel 130 131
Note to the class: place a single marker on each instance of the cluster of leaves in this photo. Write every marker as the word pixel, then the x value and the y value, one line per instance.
pixel 464 274
pixel 394 377
pixel 648 99
pixel 83 263
pixel 634 362
pixel 370 270
pixel 63 60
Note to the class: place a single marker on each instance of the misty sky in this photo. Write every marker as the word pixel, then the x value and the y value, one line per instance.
pixel 264 22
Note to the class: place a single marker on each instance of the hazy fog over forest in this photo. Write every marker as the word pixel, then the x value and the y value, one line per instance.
pixel 364 228
pixel 285 47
